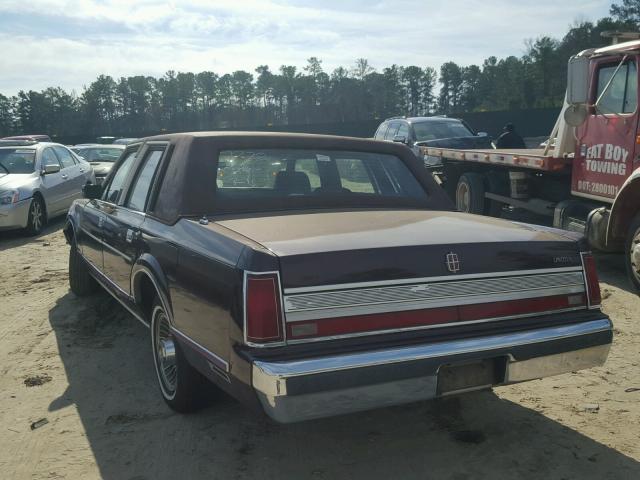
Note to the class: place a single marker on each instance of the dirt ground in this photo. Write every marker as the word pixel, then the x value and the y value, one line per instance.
pixel 85 366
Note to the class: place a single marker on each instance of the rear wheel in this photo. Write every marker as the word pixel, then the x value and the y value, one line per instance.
pixel 632 253
pixel 181 385
pixel 470 193
pixel 37 217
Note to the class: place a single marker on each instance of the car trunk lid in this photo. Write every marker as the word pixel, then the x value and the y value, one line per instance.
pixel 359 272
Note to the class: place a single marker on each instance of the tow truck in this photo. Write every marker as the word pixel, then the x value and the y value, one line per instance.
pixel 586 177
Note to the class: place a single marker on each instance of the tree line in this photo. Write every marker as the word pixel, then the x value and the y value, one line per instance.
pixel 179 101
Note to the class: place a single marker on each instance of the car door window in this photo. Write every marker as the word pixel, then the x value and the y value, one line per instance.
pixel 113 194
pixel 403 131
pixel 393 128
pixel 65 157
pixel 381 131
pixel 142 183
pixel 49 158
pixel 621 86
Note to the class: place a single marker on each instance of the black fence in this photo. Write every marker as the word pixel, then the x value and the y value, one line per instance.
pixel 529 123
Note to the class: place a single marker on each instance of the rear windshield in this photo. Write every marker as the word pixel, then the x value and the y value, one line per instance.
pixel 435 130
pixel 17 160
pixel 267 179
pixel 99 154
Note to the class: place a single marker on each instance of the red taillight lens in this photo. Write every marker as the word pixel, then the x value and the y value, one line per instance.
pixel 591 274
pixel 263 311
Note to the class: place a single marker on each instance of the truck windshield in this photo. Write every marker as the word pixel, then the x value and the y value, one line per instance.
pixel 433 130
pixel 262 180
pixel 17 160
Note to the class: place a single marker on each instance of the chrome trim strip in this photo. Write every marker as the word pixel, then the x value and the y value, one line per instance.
pixel 429 327
pixel 106 282
pixel 400 306
pixel 312 366
pixel 212 357
pixel 342 286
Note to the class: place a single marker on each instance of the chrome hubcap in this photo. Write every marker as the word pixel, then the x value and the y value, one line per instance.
pixel 462 197
pixel 36 215
pixel 634 255
pixel 165 351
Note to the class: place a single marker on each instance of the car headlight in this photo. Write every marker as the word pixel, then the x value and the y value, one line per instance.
pixel 9 196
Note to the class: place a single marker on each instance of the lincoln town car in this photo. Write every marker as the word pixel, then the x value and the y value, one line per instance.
pixel 310 276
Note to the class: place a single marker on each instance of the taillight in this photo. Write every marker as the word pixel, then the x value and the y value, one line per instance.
pixel 591 277
pixel 263 311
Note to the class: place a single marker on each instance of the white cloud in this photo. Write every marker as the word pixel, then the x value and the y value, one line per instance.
pixel 84 38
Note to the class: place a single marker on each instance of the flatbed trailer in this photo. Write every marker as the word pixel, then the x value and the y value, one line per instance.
pixel 586 178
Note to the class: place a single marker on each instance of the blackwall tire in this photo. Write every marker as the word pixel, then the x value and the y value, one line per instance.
pixel 182 387
pixel 80 280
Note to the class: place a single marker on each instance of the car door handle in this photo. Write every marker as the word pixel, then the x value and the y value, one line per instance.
pixel 82 170
pixel 64 175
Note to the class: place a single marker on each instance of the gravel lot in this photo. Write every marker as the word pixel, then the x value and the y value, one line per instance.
pixel 85 366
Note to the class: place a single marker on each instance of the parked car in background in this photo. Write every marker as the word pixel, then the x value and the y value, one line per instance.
pixel 416 132
pixel 38 181
pixel 330 275
pixel 32 138
pixel 124 141
pixel 101 157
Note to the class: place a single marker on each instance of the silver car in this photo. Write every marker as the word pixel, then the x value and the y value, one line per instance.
pixel 101 157
pixel 38 181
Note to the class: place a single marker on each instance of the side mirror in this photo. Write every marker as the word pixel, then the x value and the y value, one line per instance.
pixel 92 191
pixel 578 80
pixel 483 134
pixel 400 139
pixel 49 169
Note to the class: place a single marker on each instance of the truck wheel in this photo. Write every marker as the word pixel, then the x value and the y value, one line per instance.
pixel 632 253
pixel 80 280
pixel 183 388
pixel 470 193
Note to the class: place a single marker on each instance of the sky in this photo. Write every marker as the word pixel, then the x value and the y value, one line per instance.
pixel 68 43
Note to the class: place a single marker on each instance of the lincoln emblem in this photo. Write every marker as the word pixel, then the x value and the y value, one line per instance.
pixel 453 262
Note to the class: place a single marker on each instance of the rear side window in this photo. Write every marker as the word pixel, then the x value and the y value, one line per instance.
pixel 65 157
pixel 113 193
pixel 142 183
pixel 621 95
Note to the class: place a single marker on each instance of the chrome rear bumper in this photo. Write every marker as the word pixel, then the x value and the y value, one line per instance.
pixel 319 387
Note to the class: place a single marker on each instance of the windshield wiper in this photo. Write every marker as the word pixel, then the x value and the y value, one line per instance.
pixel 5 168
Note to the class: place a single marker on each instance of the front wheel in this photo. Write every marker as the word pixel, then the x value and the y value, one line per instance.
pixel 632 253
pixel 181 385
pixel 37 217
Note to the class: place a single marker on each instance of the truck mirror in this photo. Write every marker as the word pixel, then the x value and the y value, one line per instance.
pixel 576 114
pixel 578 80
